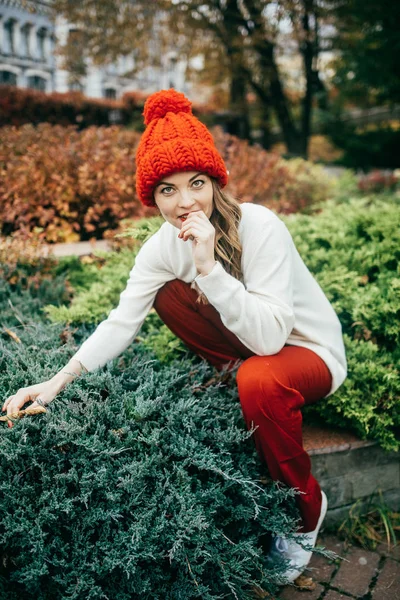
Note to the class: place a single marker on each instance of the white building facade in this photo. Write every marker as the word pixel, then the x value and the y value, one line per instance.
pixel 27 43
pixel 28 40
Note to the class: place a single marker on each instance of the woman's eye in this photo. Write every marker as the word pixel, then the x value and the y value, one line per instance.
pixel 198 181
pixel 167 190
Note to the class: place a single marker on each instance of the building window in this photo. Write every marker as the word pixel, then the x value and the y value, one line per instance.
pixel 8 78
pixel 37 83
pixel 9 29
pixel 110 93
pixel 41 36
pixel 25 45
pixel 75 86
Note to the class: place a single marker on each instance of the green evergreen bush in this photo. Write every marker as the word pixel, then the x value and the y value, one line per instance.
pixel 104 284
pixel 140 481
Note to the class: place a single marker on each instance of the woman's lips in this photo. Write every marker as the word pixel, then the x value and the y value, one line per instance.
pixel 183 217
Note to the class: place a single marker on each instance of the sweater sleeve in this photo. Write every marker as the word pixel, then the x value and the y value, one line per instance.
pixel 260 310
pixel 116 333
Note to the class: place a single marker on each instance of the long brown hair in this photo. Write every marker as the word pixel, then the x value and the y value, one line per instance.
pixel 225 219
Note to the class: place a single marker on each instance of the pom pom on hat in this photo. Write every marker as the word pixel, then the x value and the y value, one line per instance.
pixel 174 141
pixel 161 103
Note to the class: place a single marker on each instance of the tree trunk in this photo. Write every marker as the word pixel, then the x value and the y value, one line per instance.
pixel 238 106
pixel 265 126
pixel 270 89
pixel 239 124
pixel 320 90
pixel 308 54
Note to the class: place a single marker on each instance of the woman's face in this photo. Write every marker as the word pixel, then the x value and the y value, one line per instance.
pixel 179 194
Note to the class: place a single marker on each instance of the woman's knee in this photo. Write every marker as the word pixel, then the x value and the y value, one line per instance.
pixel 256 385
pixel 262 391
pixel 254 374
pixel 171 294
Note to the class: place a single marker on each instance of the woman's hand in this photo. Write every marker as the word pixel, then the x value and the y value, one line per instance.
pixel 198 228
pixel 41 394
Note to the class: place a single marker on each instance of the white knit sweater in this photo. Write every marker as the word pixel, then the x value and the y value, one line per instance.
pixel 279 302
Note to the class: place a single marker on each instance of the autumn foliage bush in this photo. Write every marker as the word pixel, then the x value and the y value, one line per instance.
pixel 73 185
pixel 19 106
pixel 81 184
pixel 378 181
pixel 263 177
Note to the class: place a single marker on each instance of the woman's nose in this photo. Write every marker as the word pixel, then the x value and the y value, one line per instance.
pixel 186 199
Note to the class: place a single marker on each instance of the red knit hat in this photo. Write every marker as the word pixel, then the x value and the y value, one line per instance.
pixel 174 140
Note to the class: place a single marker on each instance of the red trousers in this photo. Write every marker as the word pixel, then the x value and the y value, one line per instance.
pixel 272 389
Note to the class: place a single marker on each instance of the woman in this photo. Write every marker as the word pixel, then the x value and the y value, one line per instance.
pixel 228 280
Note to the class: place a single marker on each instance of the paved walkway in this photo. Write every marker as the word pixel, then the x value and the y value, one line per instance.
pixel 76 248
pixel 361 574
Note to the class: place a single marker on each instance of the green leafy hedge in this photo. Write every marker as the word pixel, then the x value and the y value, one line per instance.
pixel 140 481
pixel 353 249
pixel 352 246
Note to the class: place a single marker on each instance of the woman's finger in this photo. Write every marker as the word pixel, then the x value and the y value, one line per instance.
pixel 198 217
pixel 201 215
pixel 199 225
pixel 17 402
pixel 198 234
pixel 6 402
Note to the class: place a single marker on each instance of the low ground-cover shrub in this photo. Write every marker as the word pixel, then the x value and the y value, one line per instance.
pixel 105 285
pixel 28 280
pixel 353 249
pixel 77 185
pixel 141 480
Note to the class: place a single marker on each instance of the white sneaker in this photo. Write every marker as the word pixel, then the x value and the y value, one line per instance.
pixel 298 558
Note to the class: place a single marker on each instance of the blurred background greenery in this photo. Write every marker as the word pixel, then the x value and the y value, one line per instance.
pixel 312 78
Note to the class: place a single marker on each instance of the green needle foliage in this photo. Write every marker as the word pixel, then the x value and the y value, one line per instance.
pixel 141 481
